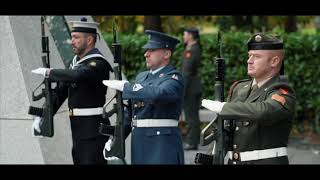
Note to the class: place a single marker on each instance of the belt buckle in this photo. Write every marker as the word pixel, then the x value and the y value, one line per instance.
pixel 133 124
pixel 236 156
pixel 70 112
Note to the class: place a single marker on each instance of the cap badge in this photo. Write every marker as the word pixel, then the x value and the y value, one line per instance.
pixel 93 64
pixel 258 38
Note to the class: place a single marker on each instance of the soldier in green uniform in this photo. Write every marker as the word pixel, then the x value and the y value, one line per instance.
pixel 262 108
pixel 192 90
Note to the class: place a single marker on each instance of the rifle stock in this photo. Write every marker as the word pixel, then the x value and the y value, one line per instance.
pixel 46 112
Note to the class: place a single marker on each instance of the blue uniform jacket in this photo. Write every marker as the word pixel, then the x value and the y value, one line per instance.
pixel 156 96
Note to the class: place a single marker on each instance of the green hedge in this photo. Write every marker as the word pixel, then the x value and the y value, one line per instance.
pixel 301 64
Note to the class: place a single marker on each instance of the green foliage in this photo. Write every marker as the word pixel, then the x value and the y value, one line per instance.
pixel 301 64
pixel 301 67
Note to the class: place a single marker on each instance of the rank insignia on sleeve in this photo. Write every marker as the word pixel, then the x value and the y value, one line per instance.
pixel 279 98
pixel 188 54
pixel 175 77
pixel 94 64
pixel 137 87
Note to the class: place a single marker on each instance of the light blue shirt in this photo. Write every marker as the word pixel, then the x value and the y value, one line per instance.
pixel 157 70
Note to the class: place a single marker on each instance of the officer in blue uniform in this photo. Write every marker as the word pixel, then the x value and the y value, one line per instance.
pixel 156 98
pixel 81 84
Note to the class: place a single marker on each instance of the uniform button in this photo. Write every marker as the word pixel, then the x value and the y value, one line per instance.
pixel 234 162
pixel 135 105
pixel 158 132
pixel 235 146
pixel 135 117
pixel 246 123
pixel 237 128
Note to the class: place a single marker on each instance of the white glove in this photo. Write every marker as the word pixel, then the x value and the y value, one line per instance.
pixel 107 147
pixel 214 106
pixel 36 125
pixel 115 84
pixel 41 71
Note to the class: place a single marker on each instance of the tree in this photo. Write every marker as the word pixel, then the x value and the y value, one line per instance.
pixel 291 24
pixel 152 23
pixel 243 22
pixel 126 24
pixel 263 23
pixel 317 23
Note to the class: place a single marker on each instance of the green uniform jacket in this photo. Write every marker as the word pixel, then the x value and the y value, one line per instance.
pixel 192 92
pixel 191 63
pixel 262 119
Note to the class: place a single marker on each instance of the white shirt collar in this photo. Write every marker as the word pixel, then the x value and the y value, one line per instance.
pixel 260 83
pixel 157 70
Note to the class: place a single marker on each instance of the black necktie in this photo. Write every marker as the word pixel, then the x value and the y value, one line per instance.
pixel 149 75
pixel 254 88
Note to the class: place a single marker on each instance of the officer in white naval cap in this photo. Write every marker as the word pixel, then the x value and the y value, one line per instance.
pixel 81 84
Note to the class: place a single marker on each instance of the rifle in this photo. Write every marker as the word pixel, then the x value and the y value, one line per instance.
pixel 215 128
pixel 117 131
pixel 46 112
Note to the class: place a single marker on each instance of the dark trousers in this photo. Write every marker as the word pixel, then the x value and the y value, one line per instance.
pixel 89 151
pixel 191 110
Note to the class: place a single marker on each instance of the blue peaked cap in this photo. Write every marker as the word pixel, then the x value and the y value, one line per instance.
pixel 160 40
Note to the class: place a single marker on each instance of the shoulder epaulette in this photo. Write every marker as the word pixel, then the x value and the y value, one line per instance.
pixel 244 80
pixel 234 85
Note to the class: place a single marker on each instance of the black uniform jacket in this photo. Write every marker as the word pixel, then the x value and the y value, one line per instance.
pixel 82 85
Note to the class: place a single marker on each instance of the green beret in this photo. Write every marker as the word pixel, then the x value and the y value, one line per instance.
pixel 260 41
